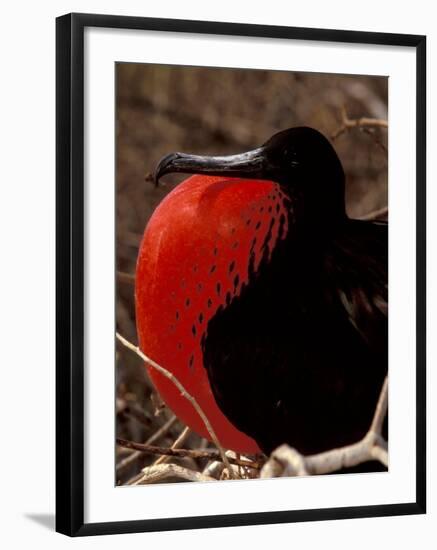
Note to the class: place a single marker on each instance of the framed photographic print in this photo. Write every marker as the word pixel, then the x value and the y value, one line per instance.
pixel 240 274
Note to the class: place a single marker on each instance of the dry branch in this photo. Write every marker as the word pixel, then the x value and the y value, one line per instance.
pixel 284 461
pixel 381 410
pixel 181 453
pixel 159 473
pixel 363 122
pixel 134 479
pixel 242 470
pixel 214 469
pixel 126 278
pixel 380 214
pixel 176 445
pixel 154 437
pixel 184 392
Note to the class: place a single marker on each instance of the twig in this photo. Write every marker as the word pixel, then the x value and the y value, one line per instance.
pixel 134 479
pixel 214 469
pixel 211 454
pixel 363 122
pixel 372 446
pixel 126 278
pixel 162 430
pixel 178 443
pixel 381 409
pixel 241 471
pixel 155 437
pixel 123 452
pixel 159 473
pixel 286 461
pixel 184 392
pixel 376 214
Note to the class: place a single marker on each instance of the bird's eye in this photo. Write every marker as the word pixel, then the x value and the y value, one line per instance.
pixel 290 156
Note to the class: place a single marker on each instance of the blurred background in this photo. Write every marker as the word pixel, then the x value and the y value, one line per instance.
pixel 162 109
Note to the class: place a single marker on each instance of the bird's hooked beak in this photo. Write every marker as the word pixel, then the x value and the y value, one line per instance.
pixel 251 164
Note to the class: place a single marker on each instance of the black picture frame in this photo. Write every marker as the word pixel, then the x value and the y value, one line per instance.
pixel 70 273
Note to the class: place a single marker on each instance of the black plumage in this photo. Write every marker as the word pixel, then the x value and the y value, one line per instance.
pixel 300 356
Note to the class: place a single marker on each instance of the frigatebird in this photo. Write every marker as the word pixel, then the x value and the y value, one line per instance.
pixel 264 298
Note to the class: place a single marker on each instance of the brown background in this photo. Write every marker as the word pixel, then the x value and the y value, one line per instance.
pixel 161 109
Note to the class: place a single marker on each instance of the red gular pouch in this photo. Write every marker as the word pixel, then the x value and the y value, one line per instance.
pixel 196 256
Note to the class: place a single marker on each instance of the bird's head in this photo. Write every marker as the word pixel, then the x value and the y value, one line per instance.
pixel 300 159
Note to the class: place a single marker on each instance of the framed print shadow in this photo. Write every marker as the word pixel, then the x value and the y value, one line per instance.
pixel 240 274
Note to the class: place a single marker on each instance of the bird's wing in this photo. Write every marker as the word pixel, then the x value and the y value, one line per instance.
pixel 356 271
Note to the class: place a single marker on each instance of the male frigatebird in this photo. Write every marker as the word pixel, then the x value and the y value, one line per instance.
pixel 264 299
